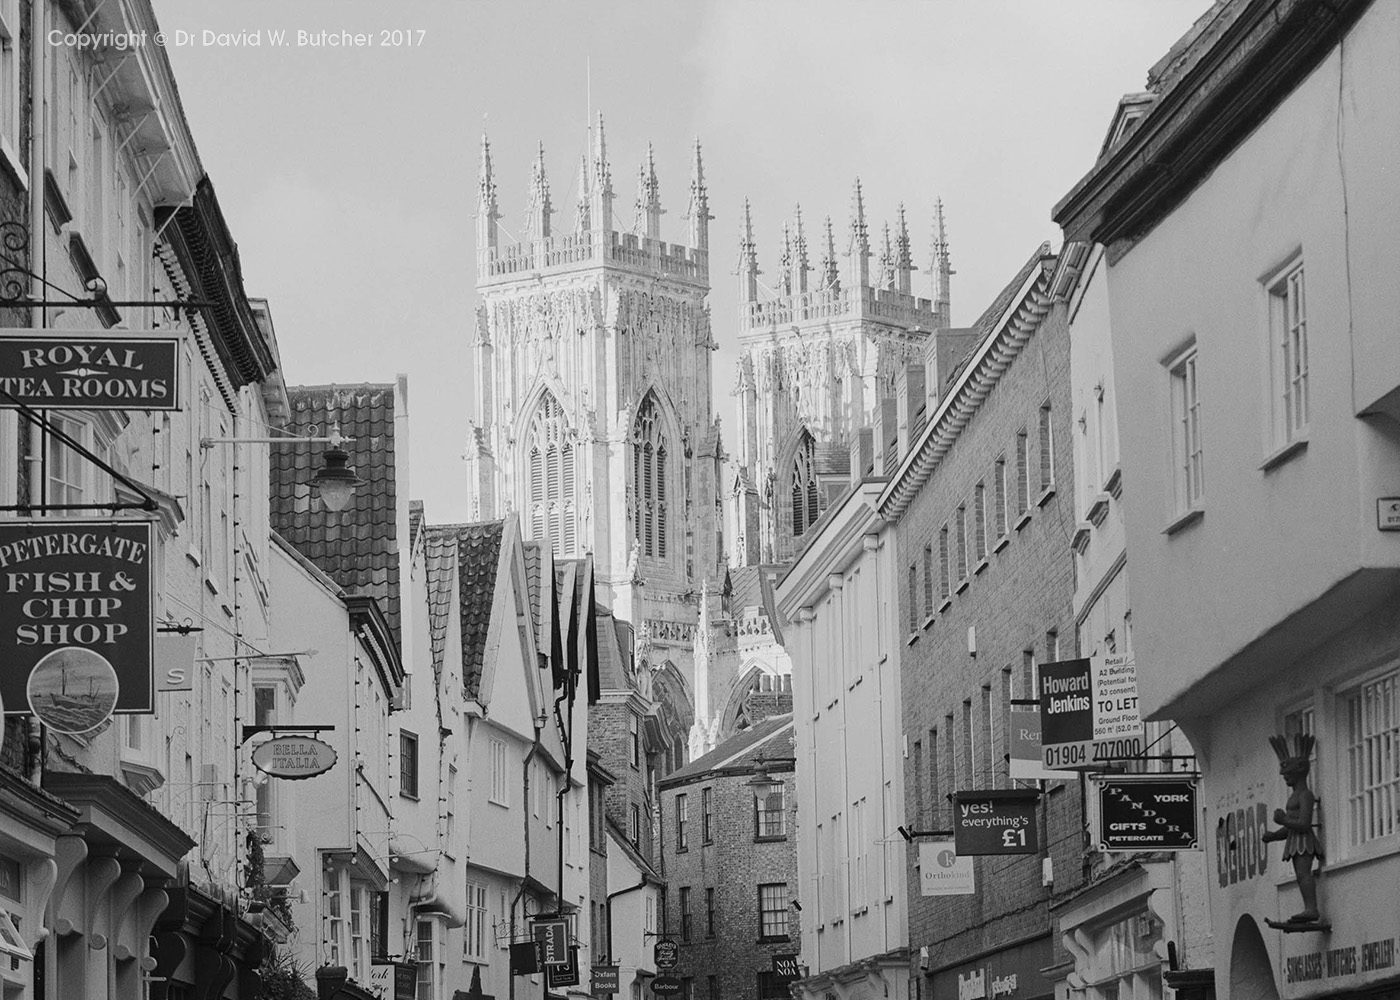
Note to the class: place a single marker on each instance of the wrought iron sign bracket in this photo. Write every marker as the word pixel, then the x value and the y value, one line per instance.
pixel 250 731
pixel 911 835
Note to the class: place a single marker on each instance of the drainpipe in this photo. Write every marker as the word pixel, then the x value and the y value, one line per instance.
pixel 612 959
pixel 525 812
pixel 566 738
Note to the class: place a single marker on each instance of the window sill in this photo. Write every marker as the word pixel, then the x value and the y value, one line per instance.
pixel 770 840
pixel 947 603
pixel 963 584
pixel 12 163
pixel 1098 510
pixel 211 586
pixel 1002 542
pixel 1045 495
pixel 1284 454
pixel 1023 520
pixel 1080 542
pixel 927 622
pixel 912 638
pixel 498 803
pixel 982 564
pixel 682 850
pixel 1113 485
pixel 781 938
pixel 1183 521
pixel 408 795
pixel 192 556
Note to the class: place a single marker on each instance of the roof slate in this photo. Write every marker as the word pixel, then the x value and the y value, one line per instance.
pixel 986 324
pixel 356 547
pixel 768 739
pixel 478 553
pixel 440 553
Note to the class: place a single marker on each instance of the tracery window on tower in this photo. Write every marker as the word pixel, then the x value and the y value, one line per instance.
pixel 649 471
pixel 805 489
pixel 550 453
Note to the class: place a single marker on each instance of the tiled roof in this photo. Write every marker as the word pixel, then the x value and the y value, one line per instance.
pixel 532 581
pixel 746 584
pixel 614 650
pixel 356 547
pixel 439 555
pixel 478 552
pixel 770 739
pixel 415 521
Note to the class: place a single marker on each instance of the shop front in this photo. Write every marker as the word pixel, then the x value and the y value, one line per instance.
pixel 1016 972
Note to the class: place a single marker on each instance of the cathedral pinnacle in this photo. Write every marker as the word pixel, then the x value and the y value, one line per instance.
pixel 584 194
pixel 541 207
pixel 649 197
pixel 785 262
pixel 801 263
pixel 859 251
pixel 942 269
pixel 886 260
pixel 698 214
pixel 748 259
pixel 903 256
pixel 487 211
pixel 831 275
pixel 600 185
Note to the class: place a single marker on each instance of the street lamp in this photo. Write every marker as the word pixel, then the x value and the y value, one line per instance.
pixel 334 482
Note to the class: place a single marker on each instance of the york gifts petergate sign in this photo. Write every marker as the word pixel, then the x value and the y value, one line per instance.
pixel 76 633
pixel 89 373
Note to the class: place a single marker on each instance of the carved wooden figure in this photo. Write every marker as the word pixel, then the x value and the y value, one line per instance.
pixel 1295 820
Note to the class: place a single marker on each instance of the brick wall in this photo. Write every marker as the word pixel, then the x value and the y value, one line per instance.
pixel 609 735
pixel 1018 601
pixel 733 865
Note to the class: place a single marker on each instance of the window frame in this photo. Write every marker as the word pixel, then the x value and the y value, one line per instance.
pixel 500 780
pixel 408 764
pixel 1289 384
pixel 1187 439
pixel 762 813
pixel 707 816
pixel 1351 760
pixel 779 914
pixel 682 822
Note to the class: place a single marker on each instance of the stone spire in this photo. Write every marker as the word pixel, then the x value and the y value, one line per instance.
pixel 698 214
pixel 748 259
pixel 601 188
pixel 859 249
pixel 584 215
pixel 487 210
pixel 649 197
pixel 903 257
pixel 800 261
pixel 541 206
pixel 942 270
pixel 886 260
pixel 831 273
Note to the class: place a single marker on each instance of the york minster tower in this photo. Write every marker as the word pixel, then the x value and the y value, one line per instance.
pixel 826 350
pixel 593 391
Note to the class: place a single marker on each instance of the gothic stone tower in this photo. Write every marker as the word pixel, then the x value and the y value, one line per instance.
pixel 822 356
pixel 593 386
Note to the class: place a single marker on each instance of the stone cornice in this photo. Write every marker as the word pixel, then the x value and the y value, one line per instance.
pixel 983 370
pixel 33 806
pixel 109 807
pixel 1243 74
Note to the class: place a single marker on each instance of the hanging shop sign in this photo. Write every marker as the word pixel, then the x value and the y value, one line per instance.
pixel 557 976
pixel 1146 813
pixel 553 938
pixel 294 757
pixel 1089 712
pixel 995 821
pixel 603 978
pixel 175 662
pixel 71 371
pixel 393 980
pixel 666 954
pixel 1024 748
pixel 785 968
pixel 76 630
pixel 943 872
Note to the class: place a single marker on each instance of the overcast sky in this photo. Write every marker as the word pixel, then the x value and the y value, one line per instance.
pixel 348 176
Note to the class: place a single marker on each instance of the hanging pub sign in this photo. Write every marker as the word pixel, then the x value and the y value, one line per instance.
pixel 393 980
pixel 995 821
pixel 294 757
pixel 1147 813
pixel 1089 712
pixel 77 372
pixel 553 937
pixel 76 630
pixel 559 976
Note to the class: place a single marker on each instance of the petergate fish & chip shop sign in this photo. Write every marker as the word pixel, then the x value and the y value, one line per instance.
pixel 76 631
pixel 94 373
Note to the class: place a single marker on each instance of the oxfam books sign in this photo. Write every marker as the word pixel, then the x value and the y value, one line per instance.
pixel 76 636
pixel 1089 712
pixel 89 373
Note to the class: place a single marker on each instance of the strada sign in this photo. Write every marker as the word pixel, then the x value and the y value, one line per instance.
pixel 89 373
pixel 76 631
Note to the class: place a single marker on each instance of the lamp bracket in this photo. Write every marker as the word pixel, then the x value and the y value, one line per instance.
pixel 250 731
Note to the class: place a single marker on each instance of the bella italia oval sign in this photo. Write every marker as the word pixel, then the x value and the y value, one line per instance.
pixel 294 757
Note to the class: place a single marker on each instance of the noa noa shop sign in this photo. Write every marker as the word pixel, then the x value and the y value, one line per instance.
pixel 76 629
pixel 88 372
